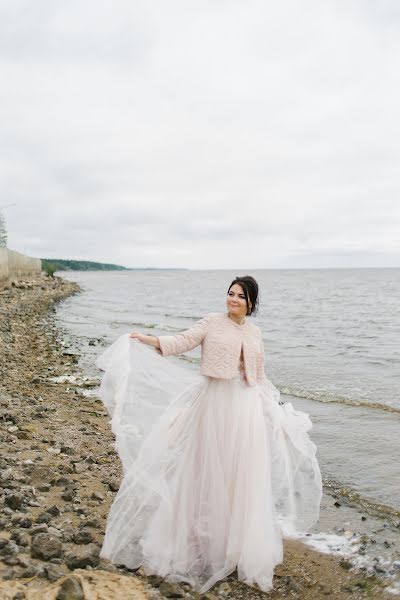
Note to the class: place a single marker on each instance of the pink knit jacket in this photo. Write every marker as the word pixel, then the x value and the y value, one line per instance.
pixel 221 342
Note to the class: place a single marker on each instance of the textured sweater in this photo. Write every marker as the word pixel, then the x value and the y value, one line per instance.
pixel 222 341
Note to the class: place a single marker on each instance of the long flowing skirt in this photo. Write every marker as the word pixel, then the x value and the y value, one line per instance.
pixel 216 472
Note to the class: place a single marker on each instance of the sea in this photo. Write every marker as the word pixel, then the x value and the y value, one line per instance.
pixel 332 344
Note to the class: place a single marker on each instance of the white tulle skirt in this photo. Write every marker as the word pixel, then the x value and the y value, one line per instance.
pixel 216 472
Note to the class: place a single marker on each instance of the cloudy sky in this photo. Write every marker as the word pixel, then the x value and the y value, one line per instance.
pixel 202 134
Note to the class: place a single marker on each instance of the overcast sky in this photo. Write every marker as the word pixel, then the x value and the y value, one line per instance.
pixel 202 134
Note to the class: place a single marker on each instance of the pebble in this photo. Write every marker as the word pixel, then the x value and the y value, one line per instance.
pixel 224 588
pixel 80 467
pixel 171 590
pixel 113 484
pixel 97 496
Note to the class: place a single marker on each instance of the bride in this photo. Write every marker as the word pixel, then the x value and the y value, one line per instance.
pixel 217 470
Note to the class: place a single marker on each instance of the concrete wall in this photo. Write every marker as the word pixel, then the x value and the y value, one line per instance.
pixel 14 265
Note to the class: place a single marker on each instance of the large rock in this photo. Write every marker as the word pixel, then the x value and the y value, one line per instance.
pixel 46 546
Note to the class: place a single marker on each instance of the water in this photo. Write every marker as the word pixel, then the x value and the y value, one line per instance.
pixel 332 347
pixel 331 339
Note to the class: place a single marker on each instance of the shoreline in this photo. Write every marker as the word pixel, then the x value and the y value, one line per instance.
pixel 59 473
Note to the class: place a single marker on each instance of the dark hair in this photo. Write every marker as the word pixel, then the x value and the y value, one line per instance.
pixel 250 288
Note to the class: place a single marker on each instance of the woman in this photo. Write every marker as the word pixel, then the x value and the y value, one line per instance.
pixel 216 470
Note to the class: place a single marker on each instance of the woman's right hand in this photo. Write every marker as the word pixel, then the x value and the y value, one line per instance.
pixel 139 336
pixel 150 340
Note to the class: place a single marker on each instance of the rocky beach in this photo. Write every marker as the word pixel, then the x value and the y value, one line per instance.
pixel 59 473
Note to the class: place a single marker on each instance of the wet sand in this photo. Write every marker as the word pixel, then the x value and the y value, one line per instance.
pixel 59 474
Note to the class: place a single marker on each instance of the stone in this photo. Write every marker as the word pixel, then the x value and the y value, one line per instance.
pixel 14 501
pixel 224 588
pixel 68 450
pixel 97 496
pixel 91 522
pixel 60 481
pixel 44 487
pixel 171 590
pixel 82 536
pixel 68 495
pixel 45 546
pixel 11 561
pixel 70 589
pixel 9 548
pixel 21 537
pixel 41 528
pixel 82 557
pixel 155 580
pixel 113 484
pixel 32 570
pixel 52 572
pixel 55 532
pixel 7 574
pixel 26 523
pixel 80 467
pixel 43 518
pixel 54 510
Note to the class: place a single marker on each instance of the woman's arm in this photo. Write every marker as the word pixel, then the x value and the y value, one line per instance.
pixel 150 340
pixel 176 344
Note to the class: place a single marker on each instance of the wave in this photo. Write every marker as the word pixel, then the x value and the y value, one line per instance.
pixel 117 324
pixel 191 317
pixel 326 398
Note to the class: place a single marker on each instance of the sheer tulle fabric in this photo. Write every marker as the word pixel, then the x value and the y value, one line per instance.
pixel 216 472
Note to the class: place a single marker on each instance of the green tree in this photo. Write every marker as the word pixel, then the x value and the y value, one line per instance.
pixel 50 268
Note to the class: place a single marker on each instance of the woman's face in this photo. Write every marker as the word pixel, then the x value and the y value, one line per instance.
pixel 236 301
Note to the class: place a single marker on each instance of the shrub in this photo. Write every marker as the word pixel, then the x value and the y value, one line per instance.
pixel 49 269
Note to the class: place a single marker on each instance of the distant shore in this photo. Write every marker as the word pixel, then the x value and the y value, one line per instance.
pixel 59 474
